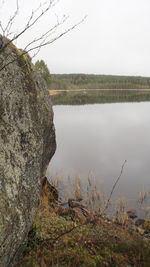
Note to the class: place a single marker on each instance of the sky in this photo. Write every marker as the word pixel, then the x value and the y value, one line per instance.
pixel 113 39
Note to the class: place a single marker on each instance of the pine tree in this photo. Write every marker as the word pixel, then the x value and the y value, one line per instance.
pixel 41 66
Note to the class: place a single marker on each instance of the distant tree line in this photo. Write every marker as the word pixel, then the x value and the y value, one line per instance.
pixel 91 81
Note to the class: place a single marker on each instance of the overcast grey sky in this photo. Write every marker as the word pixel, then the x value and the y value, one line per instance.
pixel 114 39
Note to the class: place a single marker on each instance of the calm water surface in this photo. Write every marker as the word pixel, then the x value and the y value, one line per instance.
pixel 98 138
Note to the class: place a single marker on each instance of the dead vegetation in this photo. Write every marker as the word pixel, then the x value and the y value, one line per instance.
pixel 60 237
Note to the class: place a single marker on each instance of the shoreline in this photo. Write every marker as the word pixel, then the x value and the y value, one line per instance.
pixel 58 91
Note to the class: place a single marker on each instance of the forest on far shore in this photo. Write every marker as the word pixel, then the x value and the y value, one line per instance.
pixel 92 81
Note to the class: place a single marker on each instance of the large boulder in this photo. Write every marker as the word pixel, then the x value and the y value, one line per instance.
pixel 27 143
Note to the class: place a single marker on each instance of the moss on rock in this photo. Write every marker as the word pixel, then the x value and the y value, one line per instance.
pixel 27 138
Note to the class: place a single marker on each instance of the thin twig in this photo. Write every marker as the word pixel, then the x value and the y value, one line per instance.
pixel 54 240
pixel 11 20
pixel 45 35
pixel 31 23
pixel 113 188
pixel 44 44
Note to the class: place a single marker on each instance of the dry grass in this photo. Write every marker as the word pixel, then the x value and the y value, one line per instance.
pixel 121 214
pixel 143 194
pixel 86 189
pixel 62 241
pixel 58 241
pixel 81 189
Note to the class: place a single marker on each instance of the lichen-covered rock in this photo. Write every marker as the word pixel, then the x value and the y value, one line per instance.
pixel 27 143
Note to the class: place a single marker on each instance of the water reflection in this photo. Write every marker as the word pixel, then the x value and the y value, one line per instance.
pixel 99 137
pixel 100 96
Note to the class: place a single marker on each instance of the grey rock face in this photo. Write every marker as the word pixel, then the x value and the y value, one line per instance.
pixel 27 143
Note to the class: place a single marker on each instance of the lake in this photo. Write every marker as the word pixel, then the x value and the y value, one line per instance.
pixel 95 139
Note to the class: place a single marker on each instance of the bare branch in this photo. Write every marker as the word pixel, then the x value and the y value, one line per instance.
pixel 11 21
pixel 44 43
pixel 113 188
pixel 31 23
pixel 38 42
pixel 57 37
pixel 47 34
